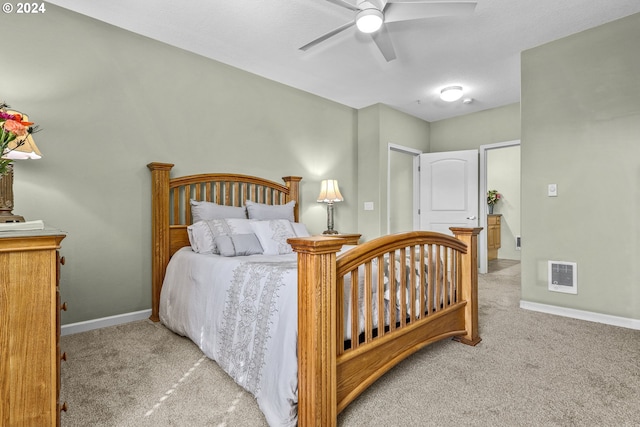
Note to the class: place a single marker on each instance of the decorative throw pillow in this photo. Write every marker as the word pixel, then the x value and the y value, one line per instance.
pixel 273 235
pixel 262 211
pixel 238 244
pixel 201 211
pixel 202 234
pixel 300 229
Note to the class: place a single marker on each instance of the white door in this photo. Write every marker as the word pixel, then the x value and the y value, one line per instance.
pixel 448 190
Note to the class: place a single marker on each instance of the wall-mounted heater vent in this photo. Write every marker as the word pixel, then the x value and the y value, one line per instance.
pixel 563 277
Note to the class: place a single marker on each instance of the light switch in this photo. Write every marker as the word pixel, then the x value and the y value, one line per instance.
pixel 553 190
pixel 368 206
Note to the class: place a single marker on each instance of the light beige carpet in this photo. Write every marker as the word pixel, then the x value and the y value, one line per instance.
pixel 531 369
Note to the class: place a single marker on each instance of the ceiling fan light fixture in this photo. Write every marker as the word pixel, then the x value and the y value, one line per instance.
pixel 369 20
pixel 451 93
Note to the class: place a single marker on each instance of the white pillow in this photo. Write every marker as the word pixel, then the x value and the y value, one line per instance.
pixel 202 234
pixel 201 211
pixel 261 211
pixel 300 229
pixel 273 235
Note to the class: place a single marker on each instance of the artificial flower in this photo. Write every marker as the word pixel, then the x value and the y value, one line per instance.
pixel 14 131
pixel 493 197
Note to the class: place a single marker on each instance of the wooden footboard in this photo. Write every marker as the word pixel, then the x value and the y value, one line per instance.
pixel 427 282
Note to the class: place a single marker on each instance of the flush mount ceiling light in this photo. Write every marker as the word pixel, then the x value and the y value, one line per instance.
pixel 369 20
pixel 451 93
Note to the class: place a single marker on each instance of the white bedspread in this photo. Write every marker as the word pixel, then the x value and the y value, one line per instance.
pixel 242 312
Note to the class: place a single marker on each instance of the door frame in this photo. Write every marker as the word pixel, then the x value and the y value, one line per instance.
pixel 483 253
pixel 416 181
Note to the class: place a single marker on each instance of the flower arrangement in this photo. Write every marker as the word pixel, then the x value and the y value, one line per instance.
pixel 493 197
pixel 14 131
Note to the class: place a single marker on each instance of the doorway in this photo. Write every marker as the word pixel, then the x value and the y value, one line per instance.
pixel 509 207
pixel 396 186
pixel 402 188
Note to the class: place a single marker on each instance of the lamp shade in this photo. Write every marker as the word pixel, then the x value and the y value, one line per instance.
pixel 23 147
pixel 329 192
pixel 28 150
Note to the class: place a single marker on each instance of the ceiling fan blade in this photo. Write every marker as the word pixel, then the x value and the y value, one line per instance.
pixel 411 10
pixel 368 4
pixel 383 41
pixel 327 36
pixel 429 1
pixel 343 3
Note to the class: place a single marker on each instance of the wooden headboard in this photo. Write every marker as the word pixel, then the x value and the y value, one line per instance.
pixel 171 208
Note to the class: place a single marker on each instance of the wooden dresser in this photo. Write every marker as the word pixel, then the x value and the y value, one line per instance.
pixel 493 235
pixel 30 328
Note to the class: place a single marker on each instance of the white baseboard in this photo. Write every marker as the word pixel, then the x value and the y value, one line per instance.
pixel 74 328
pixel 590 316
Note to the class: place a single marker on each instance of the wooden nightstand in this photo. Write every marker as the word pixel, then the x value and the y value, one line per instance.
pixel 352 238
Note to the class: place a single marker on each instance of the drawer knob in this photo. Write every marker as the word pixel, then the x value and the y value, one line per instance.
pixel 63 307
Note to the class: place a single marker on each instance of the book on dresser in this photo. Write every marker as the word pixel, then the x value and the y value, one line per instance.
pixel 30 327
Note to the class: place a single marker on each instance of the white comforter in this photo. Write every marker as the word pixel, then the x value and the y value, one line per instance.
pixel 242 313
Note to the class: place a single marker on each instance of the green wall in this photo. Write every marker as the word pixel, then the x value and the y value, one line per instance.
pixel 580 128
pixel 470 131
pixel 581 131
pixel 109 102
pixel 379 126
pixel 503 174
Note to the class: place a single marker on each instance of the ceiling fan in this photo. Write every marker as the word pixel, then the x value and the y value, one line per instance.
pixel 372 17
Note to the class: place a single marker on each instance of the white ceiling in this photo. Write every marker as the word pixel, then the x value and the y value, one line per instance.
pixel 480 51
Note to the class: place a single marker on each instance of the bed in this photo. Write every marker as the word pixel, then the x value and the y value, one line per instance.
pixel 309 327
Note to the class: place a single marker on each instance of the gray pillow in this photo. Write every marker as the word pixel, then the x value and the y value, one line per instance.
pixel 202 234
pixel 238 244
pixel 262 211
pixel 203 211
pixel 273 234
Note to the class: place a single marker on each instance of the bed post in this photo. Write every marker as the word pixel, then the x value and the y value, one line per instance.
pixel 159 231
pixel 293 184
pixel 469 291
pixel 317 382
